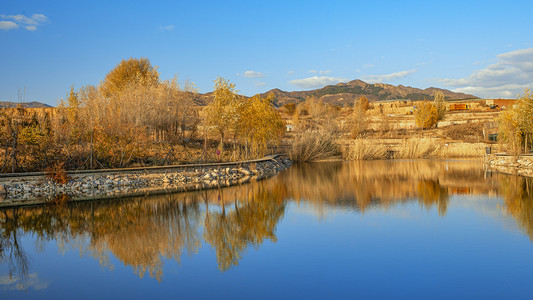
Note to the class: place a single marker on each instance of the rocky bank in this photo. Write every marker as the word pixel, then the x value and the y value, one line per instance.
pixel 37 188
pixel 508 164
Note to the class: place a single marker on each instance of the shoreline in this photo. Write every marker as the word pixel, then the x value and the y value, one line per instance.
pixel 23 189
pixel 509 164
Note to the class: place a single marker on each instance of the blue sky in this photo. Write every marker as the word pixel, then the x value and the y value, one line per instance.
pixel 479 47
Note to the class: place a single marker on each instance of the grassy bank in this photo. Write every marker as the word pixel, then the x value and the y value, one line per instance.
pixel 416 147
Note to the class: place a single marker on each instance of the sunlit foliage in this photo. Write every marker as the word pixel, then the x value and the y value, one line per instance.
pixel 137 71
pixel 426 115
pixel 516 124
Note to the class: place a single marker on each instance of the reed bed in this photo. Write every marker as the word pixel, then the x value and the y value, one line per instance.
pixel 417 148
pixel 313 146
pixel 457 150
pixel 364 149
pixel 412 148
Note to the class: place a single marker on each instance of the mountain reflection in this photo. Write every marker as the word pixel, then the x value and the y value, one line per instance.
pixel 143 232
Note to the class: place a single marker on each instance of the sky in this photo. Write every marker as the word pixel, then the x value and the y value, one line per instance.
pixel 480 47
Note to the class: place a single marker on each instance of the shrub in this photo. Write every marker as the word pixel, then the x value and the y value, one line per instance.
pixel 57 173
pixel 289 108
pixel 417 148
pixel 312 146
pixel 361 149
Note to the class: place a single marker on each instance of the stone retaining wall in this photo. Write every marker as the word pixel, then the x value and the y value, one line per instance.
pixel 37 188
pixel 508 164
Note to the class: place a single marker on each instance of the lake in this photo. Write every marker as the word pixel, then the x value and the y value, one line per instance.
pixel 365 229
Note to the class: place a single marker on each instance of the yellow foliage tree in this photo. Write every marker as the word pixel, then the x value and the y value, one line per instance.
pixel 426 115
pixel 260 123
pixel 221 114
pixel 516 124
pixel 129 71
pixel 439 105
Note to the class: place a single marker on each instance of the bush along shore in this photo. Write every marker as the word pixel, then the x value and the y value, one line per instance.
pixel 36 189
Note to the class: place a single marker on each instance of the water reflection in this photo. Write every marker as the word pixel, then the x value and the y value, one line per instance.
pixel 364 184
pixel 143 232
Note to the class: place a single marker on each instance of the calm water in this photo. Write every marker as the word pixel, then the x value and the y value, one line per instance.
pixel 385 229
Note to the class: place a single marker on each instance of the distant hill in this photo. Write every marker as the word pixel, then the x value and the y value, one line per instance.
pixel 32 104
pixel 346 93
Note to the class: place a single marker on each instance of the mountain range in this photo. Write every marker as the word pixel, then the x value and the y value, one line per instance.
pixel 339 94
pixel 32 104
pixel 345 93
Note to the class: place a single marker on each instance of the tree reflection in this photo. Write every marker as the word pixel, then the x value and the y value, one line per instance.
pixel 143 232
pixel 361 185
pixel 250 222
pixel 517 193
pixel 10 248
pixel 431 193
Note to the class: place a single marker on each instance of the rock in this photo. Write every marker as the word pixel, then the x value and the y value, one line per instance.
pixel 245 171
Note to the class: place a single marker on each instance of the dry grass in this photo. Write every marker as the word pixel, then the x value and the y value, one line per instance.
pixel 417 148
pixel 456 150
pixel 312 146
pixel 468 132
pixel 364 149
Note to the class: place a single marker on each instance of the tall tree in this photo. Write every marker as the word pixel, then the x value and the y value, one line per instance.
pixel 516 124
pixel 129 71
pixel 221 113
pixel 440 107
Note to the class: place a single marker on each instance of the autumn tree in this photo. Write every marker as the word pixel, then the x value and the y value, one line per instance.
pixel 320 115
pixel 261 124
pixel 129 71
pixel 289 108
pixel 516 124
pixel 426 115
pixel 363 103
pixel 440 107
pixel 221 113
pixel 358 120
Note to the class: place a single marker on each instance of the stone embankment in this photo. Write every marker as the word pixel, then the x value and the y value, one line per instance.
pixel 508 164
pixel 33 188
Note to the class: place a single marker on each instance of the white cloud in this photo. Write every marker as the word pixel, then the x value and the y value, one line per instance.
pixel 368 66
pixel 387 77
pixel 39 18
pixel 508 77
pixel 252 74
pixel 28 23
pixel 290 72
pixel 320 72
pixel 8 25
pixel 20 19
pixel 15 283
pixel 315 82
pixel 260 84
pixel 167 27
pixel 505 91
